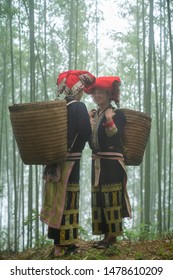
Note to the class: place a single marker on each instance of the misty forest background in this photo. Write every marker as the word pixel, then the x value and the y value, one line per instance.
pixel 132 39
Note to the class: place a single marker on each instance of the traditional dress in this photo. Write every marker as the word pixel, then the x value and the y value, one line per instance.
pixel 60 209
pixel 110 202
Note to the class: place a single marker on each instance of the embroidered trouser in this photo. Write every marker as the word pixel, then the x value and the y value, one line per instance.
pixel 107 210
pixel 107 194
pixel 60 209
pixel 68 232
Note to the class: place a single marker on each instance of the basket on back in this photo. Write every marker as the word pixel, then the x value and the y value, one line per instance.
pixel 135 136
pixel 40 130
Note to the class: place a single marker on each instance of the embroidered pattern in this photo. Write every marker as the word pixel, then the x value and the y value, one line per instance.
pixel 108 198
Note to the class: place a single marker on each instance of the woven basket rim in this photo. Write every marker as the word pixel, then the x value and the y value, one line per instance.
pixel 40 105
pixel 135 112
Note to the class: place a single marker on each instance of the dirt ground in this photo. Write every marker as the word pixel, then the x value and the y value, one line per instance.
pixel 122 250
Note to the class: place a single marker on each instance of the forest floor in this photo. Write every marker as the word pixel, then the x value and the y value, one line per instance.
pixel 161 249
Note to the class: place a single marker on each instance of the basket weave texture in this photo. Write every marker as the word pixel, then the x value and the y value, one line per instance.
pixel 40 130
pixel 135 136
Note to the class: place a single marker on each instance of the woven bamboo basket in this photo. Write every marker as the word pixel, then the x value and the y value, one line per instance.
pixel 135 136
pixel 40 130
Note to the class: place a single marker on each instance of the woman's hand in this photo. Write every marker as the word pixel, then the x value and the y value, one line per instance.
pixel 92 122
pixel 92 115
pixel 109 113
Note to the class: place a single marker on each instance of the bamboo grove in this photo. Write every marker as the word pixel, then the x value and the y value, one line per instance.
pixel 39 39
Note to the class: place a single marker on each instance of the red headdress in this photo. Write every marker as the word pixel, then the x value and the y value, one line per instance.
pixel 73 81
pixel 108 83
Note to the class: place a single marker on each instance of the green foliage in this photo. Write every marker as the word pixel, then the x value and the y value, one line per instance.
pixel 142 233
pixel 139 256
pixel 93 254
pixel 113 250
pixel 83 233
pixel 32 216
pixel 42 241
pixel 6 10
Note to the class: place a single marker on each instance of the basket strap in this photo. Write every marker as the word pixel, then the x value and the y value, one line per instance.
pixel 73 156
pixel 69 149
pixel 108 155
pixel 123 147
pixel 71 102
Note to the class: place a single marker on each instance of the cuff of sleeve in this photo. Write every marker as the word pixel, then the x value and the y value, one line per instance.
pixel 109 124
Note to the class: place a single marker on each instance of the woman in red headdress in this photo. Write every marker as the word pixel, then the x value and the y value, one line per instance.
pixel 60 210
pixel 110 202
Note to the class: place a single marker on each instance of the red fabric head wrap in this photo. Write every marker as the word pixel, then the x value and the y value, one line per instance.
pixel 73 81
pixel 107 83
